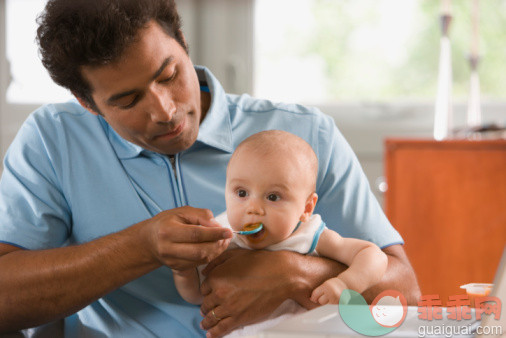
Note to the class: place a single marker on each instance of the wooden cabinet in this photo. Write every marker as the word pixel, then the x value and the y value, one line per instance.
pixel 448 201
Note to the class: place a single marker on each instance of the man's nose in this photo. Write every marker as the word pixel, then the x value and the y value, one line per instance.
pixel 255 207
pixel 162 107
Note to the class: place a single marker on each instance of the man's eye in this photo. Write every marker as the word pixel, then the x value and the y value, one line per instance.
pixel 169 78
pixel 131 104
pixel 273 197
pixel 242 193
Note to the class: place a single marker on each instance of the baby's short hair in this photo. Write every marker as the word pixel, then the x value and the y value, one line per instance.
pixel 282 142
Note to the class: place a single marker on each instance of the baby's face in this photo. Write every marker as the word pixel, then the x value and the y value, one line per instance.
pixel 273 190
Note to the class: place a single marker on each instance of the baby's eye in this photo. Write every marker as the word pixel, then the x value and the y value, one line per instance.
pixel 273 197
pixel 242 193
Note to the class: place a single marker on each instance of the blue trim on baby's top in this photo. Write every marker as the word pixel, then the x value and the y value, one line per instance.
pixel 296 227
pixel 316 237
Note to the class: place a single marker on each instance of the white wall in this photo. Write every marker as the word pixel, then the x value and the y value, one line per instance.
pixel 11 115
pixel 220 36
pixel 3 80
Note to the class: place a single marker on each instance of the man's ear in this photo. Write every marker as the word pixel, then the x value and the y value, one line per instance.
pixel 85 104
pixel 309 207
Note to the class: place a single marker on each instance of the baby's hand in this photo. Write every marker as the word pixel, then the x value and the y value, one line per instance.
pixel 329 292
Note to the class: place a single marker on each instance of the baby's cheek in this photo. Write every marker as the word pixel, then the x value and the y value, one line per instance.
pixel 284 227
pixel 232 218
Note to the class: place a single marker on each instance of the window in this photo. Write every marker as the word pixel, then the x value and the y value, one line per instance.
pixel 322 51
pixel 30 82
pixel 373 65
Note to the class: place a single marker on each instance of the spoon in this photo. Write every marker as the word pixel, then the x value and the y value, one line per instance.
pixel 259 226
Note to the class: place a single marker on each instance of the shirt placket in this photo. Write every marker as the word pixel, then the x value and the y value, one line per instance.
pixel 173 165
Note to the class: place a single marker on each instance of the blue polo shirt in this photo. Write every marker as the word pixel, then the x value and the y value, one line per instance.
pixel 70 178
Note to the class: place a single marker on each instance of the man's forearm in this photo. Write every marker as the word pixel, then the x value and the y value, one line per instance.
pixel 41 286
pixel 313 271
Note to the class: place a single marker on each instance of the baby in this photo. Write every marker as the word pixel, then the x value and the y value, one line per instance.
pixel 271 179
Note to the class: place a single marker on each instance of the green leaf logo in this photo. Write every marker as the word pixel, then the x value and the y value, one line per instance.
pixel 385 314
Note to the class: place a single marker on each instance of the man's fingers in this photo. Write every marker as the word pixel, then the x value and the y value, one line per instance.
pixel 208 304
pixel 221 328
pixel 205 289
pixel 187 233
pixel 211 223
pixel 181 256
pixel 195 216
pixel 212 318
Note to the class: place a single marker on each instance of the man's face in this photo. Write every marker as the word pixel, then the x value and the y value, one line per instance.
pixel 151 96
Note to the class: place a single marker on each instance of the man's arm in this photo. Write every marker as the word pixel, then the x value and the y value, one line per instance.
pixel 41 286
pixel 244 286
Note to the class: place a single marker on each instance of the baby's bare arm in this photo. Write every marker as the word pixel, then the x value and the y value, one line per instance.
pixel 188 285
pixel 367 265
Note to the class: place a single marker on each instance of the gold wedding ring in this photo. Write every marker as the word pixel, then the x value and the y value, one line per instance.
pixel 214 315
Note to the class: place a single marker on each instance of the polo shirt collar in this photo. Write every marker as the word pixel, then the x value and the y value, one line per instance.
pixel 123 148
pixel 215 130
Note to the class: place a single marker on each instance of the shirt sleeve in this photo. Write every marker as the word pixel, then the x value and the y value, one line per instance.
pixel 346 202
pixel 33 210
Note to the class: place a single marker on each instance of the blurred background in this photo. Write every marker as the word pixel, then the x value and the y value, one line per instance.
pixel 372 65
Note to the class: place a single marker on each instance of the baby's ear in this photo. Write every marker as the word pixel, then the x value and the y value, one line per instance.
pixel 309 207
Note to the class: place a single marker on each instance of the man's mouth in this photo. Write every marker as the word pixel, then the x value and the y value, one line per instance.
pixel 173 133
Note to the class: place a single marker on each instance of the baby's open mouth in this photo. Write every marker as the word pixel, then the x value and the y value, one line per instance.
pixel 256 237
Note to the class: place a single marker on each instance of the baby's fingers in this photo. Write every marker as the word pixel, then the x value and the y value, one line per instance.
pixel 323 300
pixel 317 293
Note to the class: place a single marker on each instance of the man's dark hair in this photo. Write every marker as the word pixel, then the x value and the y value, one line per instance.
pixel 76 33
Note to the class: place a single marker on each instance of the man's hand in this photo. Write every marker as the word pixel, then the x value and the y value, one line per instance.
pixel 186 237
pixel 245 286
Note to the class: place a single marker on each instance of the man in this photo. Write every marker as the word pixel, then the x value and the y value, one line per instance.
pixel 100 200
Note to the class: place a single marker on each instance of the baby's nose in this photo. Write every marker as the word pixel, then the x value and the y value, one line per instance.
pixel 255 207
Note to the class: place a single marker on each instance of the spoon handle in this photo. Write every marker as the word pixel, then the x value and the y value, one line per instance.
pixel 250 232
